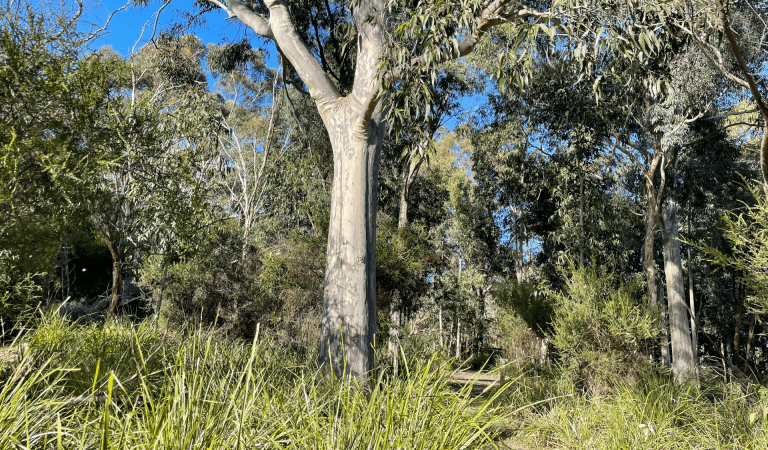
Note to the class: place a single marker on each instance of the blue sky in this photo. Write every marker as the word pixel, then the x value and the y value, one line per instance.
pixel 126 25
pixel 132 25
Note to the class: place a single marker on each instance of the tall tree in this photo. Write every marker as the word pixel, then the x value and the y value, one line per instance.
pixel 354 117
pixel 160 120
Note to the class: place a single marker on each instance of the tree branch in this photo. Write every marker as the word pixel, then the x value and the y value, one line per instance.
pixel 252 20
pixel 759 99
pixel 290 44
pixel 495 13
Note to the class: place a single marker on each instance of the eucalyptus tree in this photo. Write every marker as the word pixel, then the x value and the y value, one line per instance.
pixel 321 40
pixel 160 121
pixel 355 59
pixel 252 107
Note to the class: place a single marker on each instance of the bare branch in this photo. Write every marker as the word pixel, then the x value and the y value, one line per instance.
pixel 221 5
pixel 109 19
pixel 252 20
pixel 281 30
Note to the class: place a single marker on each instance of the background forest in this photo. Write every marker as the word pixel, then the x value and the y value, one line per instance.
pixel 586 211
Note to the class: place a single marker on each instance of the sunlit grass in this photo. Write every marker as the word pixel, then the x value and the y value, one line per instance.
pixel 653 412
pixel 121 386
pixel 124 386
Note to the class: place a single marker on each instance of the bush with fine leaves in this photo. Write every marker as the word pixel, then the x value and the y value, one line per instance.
pixel 602 329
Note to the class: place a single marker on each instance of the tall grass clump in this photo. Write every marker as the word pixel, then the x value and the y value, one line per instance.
pixel 651 412
pixel 118 385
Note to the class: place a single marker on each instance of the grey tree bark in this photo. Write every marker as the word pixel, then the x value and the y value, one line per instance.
pixel 160 295
pixel 692 305
pixel 581 217
pixel 394 337
pixel 749 341
pixel 349 298
pixel 737 322
pixel 682 348
pixel 440 325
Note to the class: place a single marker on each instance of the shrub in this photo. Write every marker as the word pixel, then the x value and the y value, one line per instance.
pixel 601 327
pixel 278 287
pixel 18 292
pixel 526 320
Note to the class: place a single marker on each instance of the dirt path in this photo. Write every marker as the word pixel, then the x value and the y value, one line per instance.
pixel 481 381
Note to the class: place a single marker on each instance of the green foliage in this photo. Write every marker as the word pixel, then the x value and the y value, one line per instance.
pixel 404 257
pixel 198 392
pixel 601 328
pixel 533 302
pixel 18 292
pixel 51 100
pixel 278 287
pixel 745 230
pixel 49 103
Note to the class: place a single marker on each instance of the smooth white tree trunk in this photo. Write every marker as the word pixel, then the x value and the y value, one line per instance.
pixel 349 297
pixel 458 338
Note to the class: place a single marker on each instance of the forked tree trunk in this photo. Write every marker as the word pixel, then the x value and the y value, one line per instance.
pixel 355 129
pixel 349 297
pixel 407 178
pixel 117 270
pixel 682 349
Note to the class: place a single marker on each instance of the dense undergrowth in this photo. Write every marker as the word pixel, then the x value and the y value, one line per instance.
pixel 117 385
pixel 120 385
pixel 651 411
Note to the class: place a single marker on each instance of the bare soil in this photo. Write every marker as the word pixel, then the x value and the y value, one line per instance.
pixel 481 381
